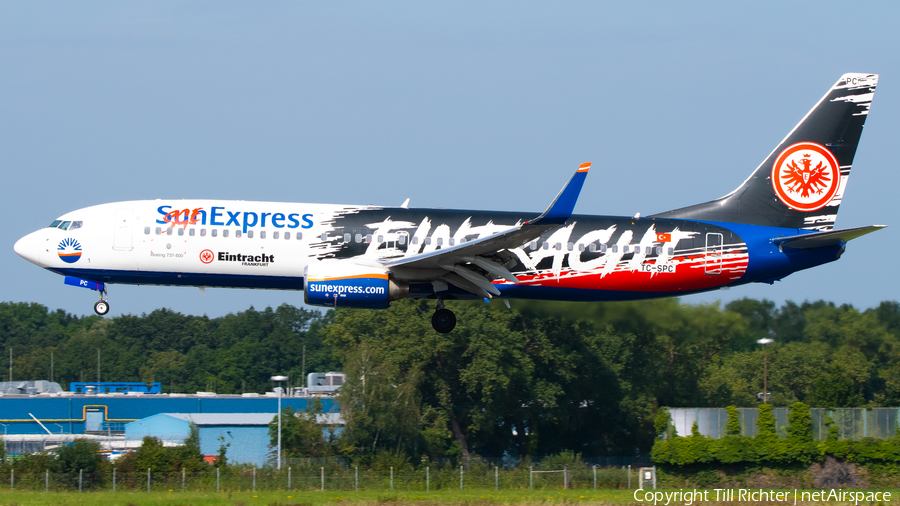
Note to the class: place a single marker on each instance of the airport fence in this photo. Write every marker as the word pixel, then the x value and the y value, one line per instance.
pixel 311 479
pixel 851 423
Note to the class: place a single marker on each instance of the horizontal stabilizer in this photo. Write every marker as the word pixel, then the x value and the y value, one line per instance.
pixel 829 238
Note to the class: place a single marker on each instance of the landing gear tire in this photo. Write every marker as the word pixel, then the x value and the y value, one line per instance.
pixel 443 320
pixel 101 307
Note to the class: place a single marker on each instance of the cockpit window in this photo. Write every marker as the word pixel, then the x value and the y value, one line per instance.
pixel 64 225
pixel 55 223
pixel 75 224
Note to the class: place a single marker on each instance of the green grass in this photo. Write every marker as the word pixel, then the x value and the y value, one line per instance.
pixel 388 498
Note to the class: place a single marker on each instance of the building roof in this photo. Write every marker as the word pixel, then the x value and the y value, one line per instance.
pixel 224 418
pixel 201 419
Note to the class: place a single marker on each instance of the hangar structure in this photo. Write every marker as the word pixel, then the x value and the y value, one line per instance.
pixel 66 413
pixel 245 435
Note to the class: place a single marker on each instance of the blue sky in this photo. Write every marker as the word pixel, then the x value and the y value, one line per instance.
pixel 463 105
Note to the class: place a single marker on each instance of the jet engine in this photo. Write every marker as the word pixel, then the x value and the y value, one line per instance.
pixel 338 283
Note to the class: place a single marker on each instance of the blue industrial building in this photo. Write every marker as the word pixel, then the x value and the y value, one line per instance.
pixel 245 434
pixel 66 413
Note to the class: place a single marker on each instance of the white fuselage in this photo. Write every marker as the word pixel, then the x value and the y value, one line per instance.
pixel 221 240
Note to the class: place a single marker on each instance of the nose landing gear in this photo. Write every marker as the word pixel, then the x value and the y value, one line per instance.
pixel 443 320
pixel 101 307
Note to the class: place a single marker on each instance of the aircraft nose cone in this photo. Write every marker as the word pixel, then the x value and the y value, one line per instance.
pixel 29 248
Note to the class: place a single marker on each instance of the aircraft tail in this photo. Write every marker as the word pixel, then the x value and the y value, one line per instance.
pixel 801 183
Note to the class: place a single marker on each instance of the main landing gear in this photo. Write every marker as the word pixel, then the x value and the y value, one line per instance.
pixel 443 320
pixel 101 307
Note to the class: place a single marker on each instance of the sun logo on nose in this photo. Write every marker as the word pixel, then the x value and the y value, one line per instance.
pixel 69 250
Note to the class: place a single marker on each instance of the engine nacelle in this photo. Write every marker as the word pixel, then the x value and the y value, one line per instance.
pixel 339 283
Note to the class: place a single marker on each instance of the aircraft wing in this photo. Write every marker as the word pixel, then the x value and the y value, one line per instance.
pixel 473 265
pixel 827 238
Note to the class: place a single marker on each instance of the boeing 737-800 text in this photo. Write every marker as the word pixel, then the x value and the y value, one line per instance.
pixel 780 220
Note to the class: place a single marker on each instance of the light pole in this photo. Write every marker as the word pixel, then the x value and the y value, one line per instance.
pixel 279 379
pixel 764 342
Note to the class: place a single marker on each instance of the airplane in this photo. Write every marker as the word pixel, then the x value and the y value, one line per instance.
pixel 778 221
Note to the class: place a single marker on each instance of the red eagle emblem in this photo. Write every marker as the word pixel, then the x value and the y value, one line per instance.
pixel 806 176
pixel 207 256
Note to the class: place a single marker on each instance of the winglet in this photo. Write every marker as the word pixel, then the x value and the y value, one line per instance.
pixel 562 206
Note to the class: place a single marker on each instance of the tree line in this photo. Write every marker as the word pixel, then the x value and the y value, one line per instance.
pixel 538 379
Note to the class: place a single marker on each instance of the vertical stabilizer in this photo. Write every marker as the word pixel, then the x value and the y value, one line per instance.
pixel 801 183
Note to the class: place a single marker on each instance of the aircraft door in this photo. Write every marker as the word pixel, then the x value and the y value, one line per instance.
pixel 714 250
pixel 122 240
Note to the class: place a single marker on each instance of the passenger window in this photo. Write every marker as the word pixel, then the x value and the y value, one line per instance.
pixel 415 240
pixel 324 236
pixel 592 248
pixel 75 224
pixel 300 235
pixel 168 231
pixel 615 248
pixel 533 245
pixel 249 234
pixel 146 230
pixel 440 241
pixel 358 238
pixel 624 249
pixel 202 232
pixel 237 233
pixel 570 246
pixel 602 248
pixel 648 250
pixel 559 246
pixel 546 245
pixel 427 241
pixel 180 231
pixel 581 247
pixel 452 241
pixel 368 239
pixel 214 232
pixel 401 240
pixel 158 230
pixel 275 235
pixel 671 251
pixel 380 238
pixel 262 234
pixel 64 225
pixel 225 233
pixel 347 238
pixel 659 250
pixel 55 224
pixel 191 232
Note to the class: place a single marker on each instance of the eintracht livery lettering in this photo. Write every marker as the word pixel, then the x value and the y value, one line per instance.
pixel 262 260
pixel 220 216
